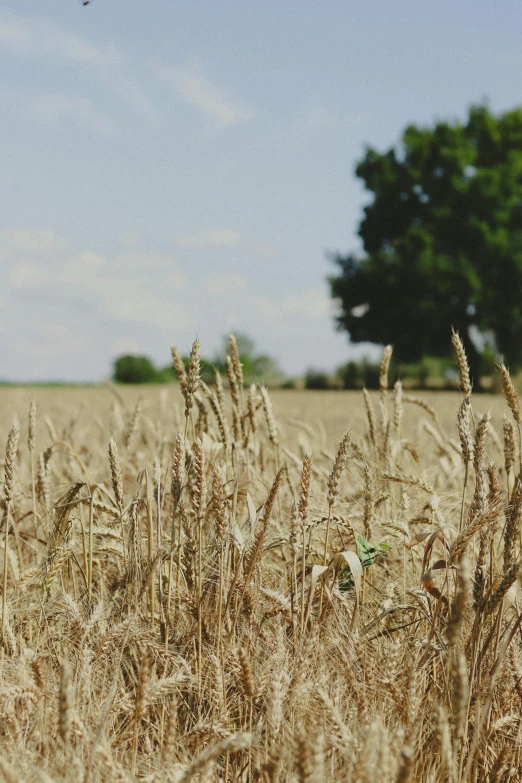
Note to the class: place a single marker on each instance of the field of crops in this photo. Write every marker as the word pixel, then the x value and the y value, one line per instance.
pixel 218 584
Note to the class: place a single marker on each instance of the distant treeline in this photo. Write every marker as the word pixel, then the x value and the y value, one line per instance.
pixel 257 367
pixel 430 373
pixel 435 373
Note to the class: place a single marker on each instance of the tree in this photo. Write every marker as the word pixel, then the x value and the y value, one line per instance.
pixel 258 368
pixel 442 240
pixel 134 369
pixel 316 379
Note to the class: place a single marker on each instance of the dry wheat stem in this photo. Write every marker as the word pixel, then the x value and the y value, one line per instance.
pixel 175 535
pixel 302 512
pixel 9 484
pixel 31 443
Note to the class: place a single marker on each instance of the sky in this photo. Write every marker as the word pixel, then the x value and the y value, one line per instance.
pixel 173 169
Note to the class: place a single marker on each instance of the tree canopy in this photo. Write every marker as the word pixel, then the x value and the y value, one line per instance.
pixel 442 240
pixel 134 369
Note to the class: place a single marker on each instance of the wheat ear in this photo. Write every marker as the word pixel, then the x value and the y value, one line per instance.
pixel 302 513
pixel 462 363
pixel 333 484
pixel 9 484
pixel 31 442
pixel 514 404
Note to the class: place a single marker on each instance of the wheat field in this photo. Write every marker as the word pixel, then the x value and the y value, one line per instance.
pixel 226 584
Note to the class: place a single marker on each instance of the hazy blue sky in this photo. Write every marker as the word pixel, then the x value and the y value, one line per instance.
pixel 173 169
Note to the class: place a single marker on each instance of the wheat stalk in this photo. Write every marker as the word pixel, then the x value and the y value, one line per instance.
pixel 163 687
pixel 9 485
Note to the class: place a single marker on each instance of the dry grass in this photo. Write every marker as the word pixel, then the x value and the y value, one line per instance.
pixel 189 594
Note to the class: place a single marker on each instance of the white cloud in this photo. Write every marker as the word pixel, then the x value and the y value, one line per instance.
pixel 126 263
pixel 262 250
pixel 221 237
pixel 131 92
pixel 53 108
pixel 15 36
pixel 129 238
pixel 34 38
pixel 53 340
pixel 267 308
pixel 57 108
pixel 124 297
pixel 27 275
pixel 69 313
pixel 42 242
pixel 192 87
pixel 65 340
pixel 125 288
pixel 176 281
pixel 163 266
pixel 84 268
pixel 224 284
pixel 312 304
pixel 128 301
